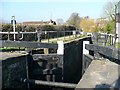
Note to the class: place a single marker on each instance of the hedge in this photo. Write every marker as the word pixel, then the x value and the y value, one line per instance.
pixel 31 28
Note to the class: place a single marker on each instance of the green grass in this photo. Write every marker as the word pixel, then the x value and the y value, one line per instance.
pixel 74 38
pixel 64 39
pixel 11 48
pixel 118 45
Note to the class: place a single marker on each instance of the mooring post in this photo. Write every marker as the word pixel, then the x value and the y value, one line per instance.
pixel 46 50
pixel 8 36
pixel 64 34
pixel 48 37
pixel 38 34
pixel 57 35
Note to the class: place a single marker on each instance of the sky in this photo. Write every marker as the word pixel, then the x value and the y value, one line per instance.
pixel 36 10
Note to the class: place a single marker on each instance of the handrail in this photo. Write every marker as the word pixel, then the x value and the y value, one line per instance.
pixel 108 52
pixel 27 44
pixel 36 32
pixel 48 83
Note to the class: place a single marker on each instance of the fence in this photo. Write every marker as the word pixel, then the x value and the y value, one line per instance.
pixel 36 36
pixel 110 53
pixel 104 39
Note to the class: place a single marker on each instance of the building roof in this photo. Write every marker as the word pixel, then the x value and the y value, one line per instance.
pixel 39 22
pixel 35 22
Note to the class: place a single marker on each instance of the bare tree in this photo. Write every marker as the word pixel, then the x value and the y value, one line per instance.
pixel 110 10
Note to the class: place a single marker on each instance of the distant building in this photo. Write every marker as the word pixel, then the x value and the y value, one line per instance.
pixel 52 22
pixel 101 22
pixel 39 22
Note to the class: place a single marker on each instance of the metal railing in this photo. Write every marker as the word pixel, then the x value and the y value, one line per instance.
pixel 104 39
pixel 41 35
pixel 48 83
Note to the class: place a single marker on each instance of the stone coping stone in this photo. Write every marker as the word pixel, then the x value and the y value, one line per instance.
pixel 100 74
pixel 6 55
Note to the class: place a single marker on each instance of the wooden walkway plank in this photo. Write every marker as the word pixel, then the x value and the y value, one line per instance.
pixel 27 44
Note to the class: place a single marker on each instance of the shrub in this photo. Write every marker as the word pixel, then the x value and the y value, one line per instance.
pixel 32 28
